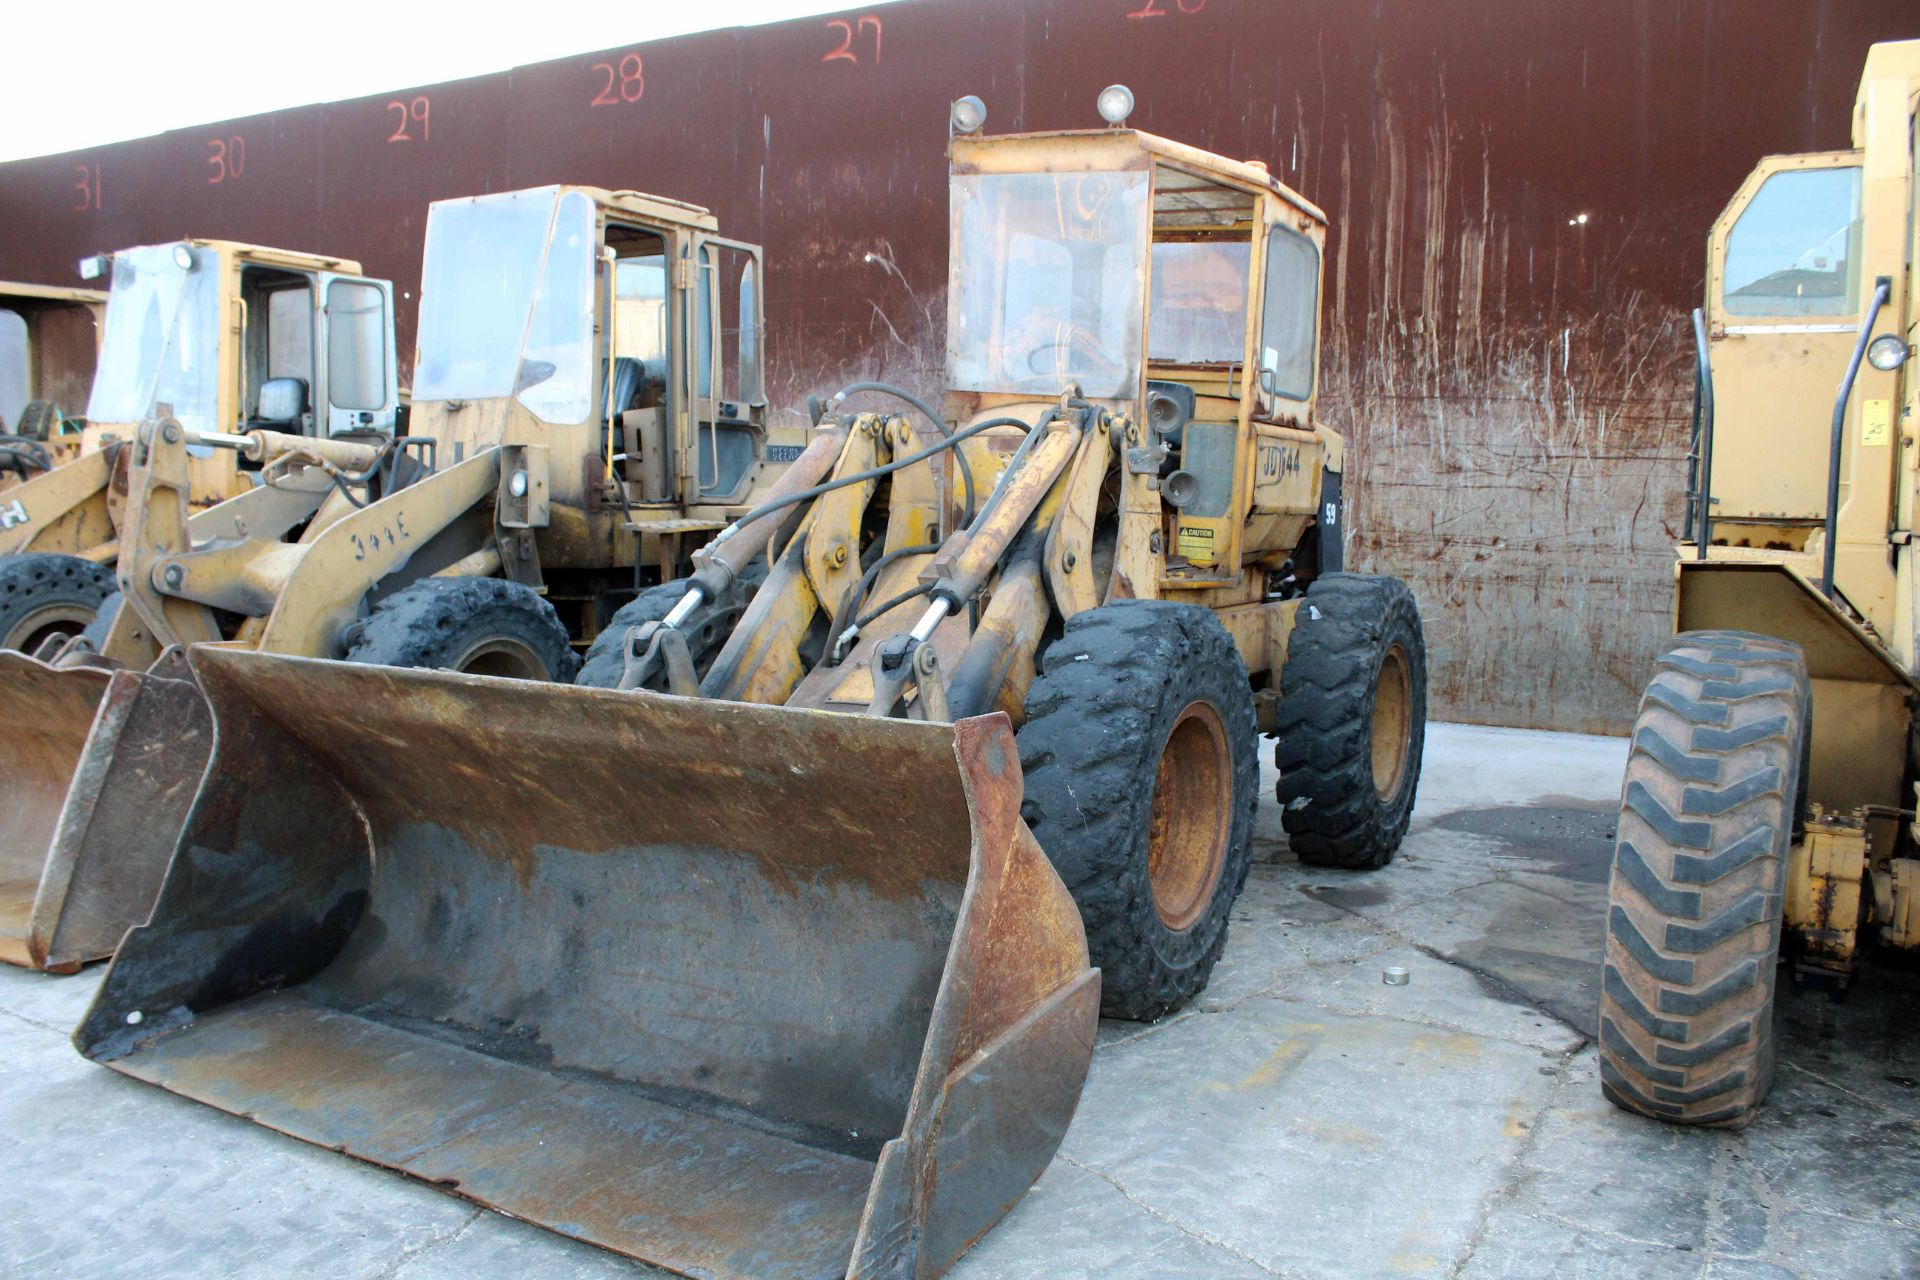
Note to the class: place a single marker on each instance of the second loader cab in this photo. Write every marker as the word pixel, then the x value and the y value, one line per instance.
pixel 235 337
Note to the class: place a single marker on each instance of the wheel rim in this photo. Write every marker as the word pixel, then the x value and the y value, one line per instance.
pixel 502 656
pixel 1392 723
pixel 1192 811
pixel 44 623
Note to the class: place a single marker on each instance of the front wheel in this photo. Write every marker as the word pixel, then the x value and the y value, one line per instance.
pixel 1695 901
pixel 46 597
pixel 482 626
pixel 706 630
pixel 1142 771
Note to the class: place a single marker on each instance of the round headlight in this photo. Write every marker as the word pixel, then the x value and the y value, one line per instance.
pixel 1115 104
pixel 517 484
pixel 1887 353
pixel 969 115
pixel 183 256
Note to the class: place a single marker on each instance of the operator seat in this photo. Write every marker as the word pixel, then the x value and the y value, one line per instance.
pixel 281 405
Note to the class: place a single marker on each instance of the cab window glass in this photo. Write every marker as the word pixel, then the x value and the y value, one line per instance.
pixel 16 374
pixel 1292 305
pixel 356 345
pixel 1197 301
pixel 290 334
pixel 1794 249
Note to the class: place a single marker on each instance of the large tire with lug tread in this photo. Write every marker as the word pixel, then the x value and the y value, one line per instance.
pixel 1142 770
pixel 706 631
pixel 41 420
pixel 484 626
pixel 1694 904
pixel 1352 721
pixel 43 595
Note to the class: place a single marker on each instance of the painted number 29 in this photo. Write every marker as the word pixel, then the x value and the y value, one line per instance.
pixel 413 119
pixel 625 81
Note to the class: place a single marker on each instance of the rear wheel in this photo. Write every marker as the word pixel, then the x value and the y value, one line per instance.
pixel 44 597
pixel 482 626
pixel 1699 879
pixel 706 630
pixel 1352 721
pixel 1141 767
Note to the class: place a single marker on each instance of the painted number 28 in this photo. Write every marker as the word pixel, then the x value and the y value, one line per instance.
pixel 625 81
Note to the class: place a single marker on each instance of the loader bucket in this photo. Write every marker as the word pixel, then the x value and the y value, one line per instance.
pixel 46 713
pixel 738 990
pixel 87 832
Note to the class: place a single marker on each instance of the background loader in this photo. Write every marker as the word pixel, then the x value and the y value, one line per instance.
pixel 232 337
pixel 1768 808
pixel 780 972
pixel 49 340
pixel 586 405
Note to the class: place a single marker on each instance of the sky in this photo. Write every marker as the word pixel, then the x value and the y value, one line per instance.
pixel 99 71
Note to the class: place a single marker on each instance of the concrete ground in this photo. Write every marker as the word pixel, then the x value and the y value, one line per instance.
pixel 1301 1119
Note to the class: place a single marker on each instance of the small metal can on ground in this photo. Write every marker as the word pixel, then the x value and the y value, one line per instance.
pixel 1396 975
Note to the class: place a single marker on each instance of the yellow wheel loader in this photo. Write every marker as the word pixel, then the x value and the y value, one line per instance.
pixel 232 337
pixel 586 407
pixel 1767 815
pixel 49 340
pixel 769 956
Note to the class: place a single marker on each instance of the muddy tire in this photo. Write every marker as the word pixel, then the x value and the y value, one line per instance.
pixel 1142 772
pixel 1352 721
pixel 1699 879
pixel 42 596
pixel 706 631
pixel 485 626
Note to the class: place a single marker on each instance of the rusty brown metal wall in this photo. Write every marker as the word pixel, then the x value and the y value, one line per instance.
pixel 1516 389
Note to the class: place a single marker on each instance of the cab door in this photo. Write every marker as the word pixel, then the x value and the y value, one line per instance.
pixel 355 382
pixel 1784 298
pixel 728 327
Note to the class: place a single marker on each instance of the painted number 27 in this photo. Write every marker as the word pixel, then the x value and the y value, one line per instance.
pixel 844 52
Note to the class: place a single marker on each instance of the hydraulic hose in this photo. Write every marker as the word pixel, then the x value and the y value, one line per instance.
pixel 939 424
pixel 871 473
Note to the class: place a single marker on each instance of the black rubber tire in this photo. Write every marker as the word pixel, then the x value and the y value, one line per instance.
pixel 706 631
pixel 437 622
pixel 1110 691
pixel 1333 812
pixel 33 581
pixel 40 420
pixel 1695 901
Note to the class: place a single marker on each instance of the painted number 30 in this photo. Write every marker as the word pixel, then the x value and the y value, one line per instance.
pixel 226 157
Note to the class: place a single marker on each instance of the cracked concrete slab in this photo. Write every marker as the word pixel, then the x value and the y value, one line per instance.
pixel 1300 1119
